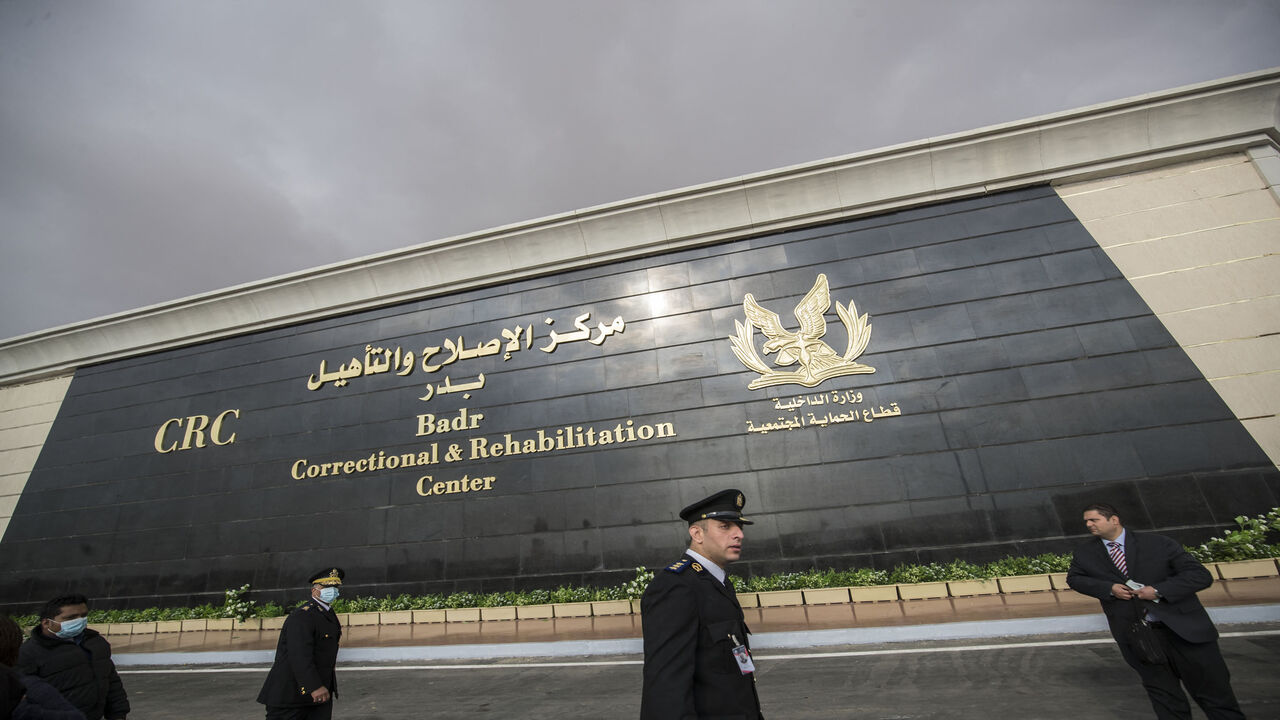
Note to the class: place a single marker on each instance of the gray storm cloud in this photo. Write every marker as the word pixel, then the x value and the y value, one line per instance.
pixel 150 151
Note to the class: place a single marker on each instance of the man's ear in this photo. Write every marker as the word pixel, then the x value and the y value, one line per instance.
pixel 695 533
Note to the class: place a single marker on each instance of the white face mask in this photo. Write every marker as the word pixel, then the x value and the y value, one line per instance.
pixel 328 595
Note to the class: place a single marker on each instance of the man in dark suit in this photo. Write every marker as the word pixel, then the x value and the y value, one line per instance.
pixel 1123 565
pixel 302 682
pixel 697 661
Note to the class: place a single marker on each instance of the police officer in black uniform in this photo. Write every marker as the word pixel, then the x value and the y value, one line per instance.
pixel 697 662
pixel 302 682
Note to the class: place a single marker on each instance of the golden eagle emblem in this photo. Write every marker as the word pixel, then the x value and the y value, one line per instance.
pixel 817 360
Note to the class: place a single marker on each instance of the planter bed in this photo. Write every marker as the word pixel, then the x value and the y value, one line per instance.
pixel 502 612
pixel 1239 569
pixel 429 616
pixel 781 598
pixel 923 591
pixel 970 588
pixel 534 612
pixel 873 593
pixel 1025 583
pixel 611 607
pixel 826 596
pixel 462 615
pixel 578 609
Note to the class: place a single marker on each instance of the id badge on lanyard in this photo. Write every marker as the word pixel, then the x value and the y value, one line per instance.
pixel 743 656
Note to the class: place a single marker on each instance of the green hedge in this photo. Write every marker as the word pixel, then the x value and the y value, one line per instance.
pixel 1247 542
pixel 906 574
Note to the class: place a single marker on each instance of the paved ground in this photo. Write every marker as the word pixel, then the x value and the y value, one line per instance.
pixel 1040 678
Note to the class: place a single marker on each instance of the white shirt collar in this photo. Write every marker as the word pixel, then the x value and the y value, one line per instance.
pixel 711 567
pixel 1118 539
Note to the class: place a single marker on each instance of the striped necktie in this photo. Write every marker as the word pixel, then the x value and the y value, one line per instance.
pixel 1117 557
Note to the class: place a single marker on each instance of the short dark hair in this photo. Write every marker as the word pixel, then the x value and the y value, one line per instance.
pixel 1103 509
pixel 54 606
pixel 10 639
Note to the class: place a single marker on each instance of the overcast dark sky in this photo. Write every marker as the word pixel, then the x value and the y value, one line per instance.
pixel 155 150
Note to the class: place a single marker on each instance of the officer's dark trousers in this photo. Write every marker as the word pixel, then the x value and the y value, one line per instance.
pixel 322 711
pixel 1198 666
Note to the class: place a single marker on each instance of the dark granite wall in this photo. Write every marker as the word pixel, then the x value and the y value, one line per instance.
pixel 1030 378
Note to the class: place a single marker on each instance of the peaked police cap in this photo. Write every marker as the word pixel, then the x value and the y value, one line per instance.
pixel 724 505
pixel 328 576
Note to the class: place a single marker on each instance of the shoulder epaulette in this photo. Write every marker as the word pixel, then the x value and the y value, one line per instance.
pixel 679 565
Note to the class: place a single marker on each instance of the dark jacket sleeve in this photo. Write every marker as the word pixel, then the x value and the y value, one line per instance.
pixel 669 618
pixel 117 699
pixel 299 632
pixel 1184 576
pixel 43 702
pixel 1081 577
pixel 11 690
pixel 28 659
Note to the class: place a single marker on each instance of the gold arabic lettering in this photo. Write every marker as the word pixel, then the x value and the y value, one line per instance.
pixel 433 358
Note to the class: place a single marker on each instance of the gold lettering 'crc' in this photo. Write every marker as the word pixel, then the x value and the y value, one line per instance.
pixel 428 487
pixel 194 435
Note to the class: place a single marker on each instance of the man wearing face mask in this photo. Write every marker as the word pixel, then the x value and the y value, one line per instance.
pixel 74 659
pixel 302 682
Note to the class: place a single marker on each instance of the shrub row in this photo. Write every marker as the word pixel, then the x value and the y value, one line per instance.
pixel 1248 542
pixel 1245 543
pixel 907 574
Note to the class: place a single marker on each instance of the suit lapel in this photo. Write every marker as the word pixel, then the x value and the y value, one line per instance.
pixel 1132 555
pixel 1104 557
pixel 329 615
pixel 721 587
pixel 708 577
